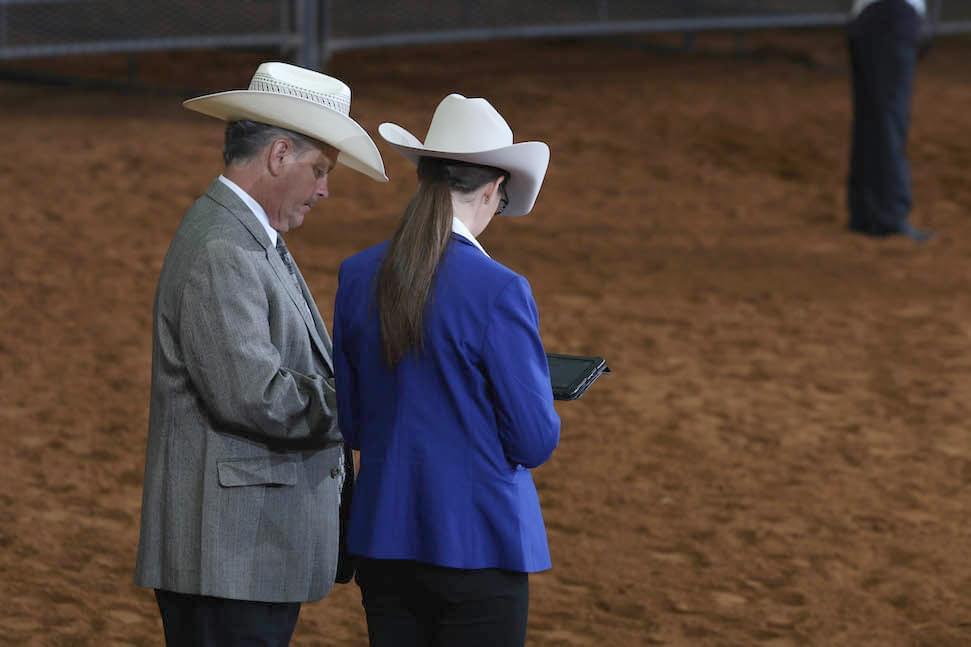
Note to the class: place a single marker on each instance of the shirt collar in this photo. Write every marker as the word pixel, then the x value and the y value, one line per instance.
pixel 254 206
pixel 459 228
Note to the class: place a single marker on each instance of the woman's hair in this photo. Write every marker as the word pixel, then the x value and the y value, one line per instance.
pixel 408 270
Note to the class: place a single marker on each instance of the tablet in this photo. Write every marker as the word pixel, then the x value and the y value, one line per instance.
pixel 571 375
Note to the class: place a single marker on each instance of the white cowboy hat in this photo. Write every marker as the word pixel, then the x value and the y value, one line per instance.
pixel 470 130
pixel 304 101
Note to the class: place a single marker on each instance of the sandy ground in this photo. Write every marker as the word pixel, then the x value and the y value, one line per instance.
pixel 782 455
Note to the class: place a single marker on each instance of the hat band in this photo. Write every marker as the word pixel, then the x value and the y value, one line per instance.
pixel 265 83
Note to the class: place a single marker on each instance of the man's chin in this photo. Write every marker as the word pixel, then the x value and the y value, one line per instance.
pixel 299 216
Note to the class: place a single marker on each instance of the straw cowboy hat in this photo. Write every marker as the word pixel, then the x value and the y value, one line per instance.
pixel 304 101
pixel 470 130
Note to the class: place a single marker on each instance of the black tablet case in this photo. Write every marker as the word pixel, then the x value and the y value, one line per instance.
pixel 572 375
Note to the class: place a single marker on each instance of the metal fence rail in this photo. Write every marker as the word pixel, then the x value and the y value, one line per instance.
pixel 360 24
pixel 312 30
pixel 603 28
pixel 44 28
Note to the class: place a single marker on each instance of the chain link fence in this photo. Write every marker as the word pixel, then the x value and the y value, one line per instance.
pixel 45 28
pixel 310 30
pixel 358 24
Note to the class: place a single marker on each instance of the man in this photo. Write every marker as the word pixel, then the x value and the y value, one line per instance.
pixel 245 463
pixel 884 40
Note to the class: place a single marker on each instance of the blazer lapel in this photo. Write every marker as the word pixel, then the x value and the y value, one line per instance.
pixel 301 297
pixel 322 338
pixel 304 302
pixel 223 195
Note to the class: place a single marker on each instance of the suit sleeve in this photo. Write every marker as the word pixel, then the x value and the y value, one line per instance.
pixel 516 365
pixel 344 373
pixel 231 360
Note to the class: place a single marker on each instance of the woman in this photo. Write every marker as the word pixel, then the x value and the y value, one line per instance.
pixel 443 386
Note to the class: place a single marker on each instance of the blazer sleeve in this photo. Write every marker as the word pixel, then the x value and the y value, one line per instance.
pixel 230 357
pixel 344 374
pixel 517 369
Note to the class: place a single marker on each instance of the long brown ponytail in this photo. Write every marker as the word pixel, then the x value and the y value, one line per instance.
pixel 408 270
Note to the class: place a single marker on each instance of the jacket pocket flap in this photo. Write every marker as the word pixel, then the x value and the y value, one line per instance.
pixel 262 470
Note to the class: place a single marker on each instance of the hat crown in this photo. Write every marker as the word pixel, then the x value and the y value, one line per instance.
pixel 462 125
pixel 293 81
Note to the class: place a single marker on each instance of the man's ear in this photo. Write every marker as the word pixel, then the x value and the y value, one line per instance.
pixel 277 152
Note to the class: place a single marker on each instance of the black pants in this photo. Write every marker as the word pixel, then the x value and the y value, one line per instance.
pixel 203 621
pixel 410 604
pixel 883 43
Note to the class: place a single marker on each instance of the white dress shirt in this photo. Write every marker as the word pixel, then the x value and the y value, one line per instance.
pixel 254 206
pixel 459 228
pixel 859 5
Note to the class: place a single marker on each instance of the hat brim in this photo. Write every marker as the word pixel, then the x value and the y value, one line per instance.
pixel 357 149
pixel 526 163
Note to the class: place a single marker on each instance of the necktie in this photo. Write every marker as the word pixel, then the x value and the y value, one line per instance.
pixel 281 249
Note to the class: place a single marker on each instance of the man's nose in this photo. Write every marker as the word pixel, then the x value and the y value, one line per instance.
pixel 322 188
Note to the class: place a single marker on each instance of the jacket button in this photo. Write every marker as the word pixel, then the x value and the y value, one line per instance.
pixel 335 472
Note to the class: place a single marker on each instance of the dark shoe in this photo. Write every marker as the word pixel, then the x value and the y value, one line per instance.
pixel 916 235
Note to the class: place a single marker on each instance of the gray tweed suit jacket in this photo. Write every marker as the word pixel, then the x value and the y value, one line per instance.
pixel 244 460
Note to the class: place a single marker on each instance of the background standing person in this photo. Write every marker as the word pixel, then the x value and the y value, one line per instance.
pixel 443 384
pixel 245 463
pixel 884 38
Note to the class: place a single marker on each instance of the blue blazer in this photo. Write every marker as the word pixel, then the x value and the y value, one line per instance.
pixel 447 437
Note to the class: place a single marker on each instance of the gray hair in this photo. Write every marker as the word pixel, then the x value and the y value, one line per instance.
pixel 244 139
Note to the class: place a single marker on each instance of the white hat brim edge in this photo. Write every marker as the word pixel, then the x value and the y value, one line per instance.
pixel 526 163
pixel 357 150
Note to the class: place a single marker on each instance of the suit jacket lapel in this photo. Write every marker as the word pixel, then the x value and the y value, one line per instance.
pixel 323 338
pixel 303 301
pixel 223 195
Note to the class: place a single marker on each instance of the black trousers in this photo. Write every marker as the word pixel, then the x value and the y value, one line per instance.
pixel 883 43
pixel 203 621
pixel 410 604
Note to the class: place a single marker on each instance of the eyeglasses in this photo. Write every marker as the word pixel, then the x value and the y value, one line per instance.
pixel 503 199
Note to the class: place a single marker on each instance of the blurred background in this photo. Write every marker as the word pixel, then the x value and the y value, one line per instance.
pixel 310 31
pixel 781 455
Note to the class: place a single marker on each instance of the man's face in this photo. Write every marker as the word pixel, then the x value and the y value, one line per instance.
pixel 302 182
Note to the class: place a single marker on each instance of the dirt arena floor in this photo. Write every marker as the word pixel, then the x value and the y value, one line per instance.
pixel 782 456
